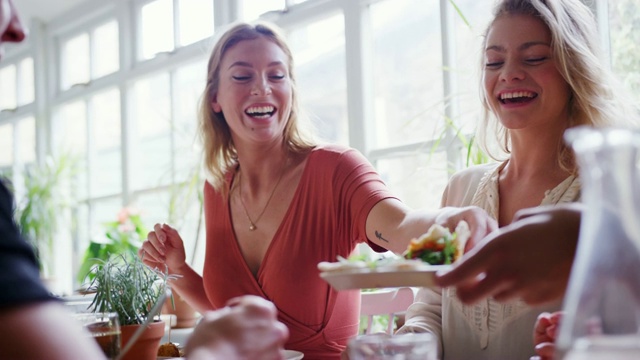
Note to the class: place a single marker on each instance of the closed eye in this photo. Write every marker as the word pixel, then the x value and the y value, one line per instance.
pixel 494 64
pixel 241 78
pixel 536 60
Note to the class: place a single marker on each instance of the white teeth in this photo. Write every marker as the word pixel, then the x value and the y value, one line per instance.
pixel 260 110
pixel 517 94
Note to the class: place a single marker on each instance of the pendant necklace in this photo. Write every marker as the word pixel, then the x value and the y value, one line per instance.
pixel 252 223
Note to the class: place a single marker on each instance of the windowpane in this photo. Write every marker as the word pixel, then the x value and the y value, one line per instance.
pixel 106 169
pixel 189 84
pixel 8 87
pixel 196 20
pixel 71 137
pixel 319 56
pixel 26 86
pixel 104 211
pixel 419 180
pixel 624 20
pixel 468 43
pixel 408 103
pixel 106 52
pixel 151 114
pixel 75 61
pixel 6 145
pixel 254 8
pixel 105 115
pixel 27 140
pixel 157 28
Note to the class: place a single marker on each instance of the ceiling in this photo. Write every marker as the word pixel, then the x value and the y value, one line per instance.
pixel 45 10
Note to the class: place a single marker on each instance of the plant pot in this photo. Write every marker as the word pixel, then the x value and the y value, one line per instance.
pixel 186 316
pixel 146 347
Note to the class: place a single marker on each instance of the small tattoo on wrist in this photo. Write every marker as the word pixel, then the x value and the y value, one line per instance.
pixel 379 236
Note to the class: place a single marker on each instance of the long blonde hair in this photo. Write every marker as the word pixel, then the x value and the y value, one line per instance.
pixel 575 48
pixel 219 151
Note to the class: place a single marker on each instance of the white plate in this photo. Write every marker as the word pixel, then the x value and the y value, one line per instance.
pixel 382 277
pixel 293 355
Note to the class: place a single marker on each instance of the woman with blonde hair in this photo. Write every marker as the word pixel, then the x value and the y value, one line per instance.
pixel 541 75
pixel 277 204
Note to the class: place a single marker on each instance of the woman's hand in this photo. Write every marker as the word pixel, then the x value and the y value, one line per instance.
pixel 544 334
pixel 479 222
pixel 246 329
pixel 163 246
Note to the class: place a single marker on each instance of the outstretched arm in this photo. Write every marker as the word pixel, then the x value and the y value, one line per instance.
pixel 530 258
pixel 391 224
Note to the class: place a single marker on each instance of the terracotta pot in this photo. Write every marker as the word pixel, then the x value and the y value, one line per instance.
pixel 146 347
pixel 186 316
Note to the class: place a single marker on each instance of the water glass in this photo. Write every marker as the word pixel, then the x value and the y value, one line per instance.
pixel 105 329
pixel 399 347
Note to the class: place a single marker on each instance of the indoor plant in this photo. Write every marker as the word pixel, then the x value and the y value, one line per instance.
pixel 124 235
pixel 125 285
pixel 40 204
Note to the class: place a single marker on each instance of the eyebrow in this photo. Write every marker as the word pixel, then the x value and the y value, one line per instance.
pixel 246 64
pixel 520 48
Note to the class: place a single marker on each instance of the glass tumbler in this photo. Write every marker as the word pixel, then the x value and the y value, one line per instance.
pixel 399 347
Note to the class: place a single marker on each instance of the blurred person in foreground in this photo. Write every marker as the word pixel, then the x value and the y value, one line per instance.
pixel 35 325
pixel 541 75
pixel 277 203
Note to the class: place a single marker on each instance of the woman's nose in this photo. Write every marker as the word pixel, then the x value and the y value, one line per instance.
pixel 511 71
pixel 261 87
pixel 15 32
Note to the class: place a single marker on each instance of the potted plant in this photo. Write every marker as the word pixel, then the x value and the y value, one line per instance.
pixel 39 206
pixel 125 285
pixel 124 235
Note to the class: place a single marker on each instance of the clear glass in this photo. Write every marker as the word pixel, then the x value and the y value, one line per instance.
pixel 26 86
pixel 104 328
pixel 75 61
pixel 252 9
pixel 602 304
pixel 196 20
pixel 106 49
pixel 624 16
pixel 104 114
pixel 70 129
pixel 6 145
pixel 319 57
pixel 27 140
pixel 8 100
pixel 469 26
pixel 157 28
pixel 189 82
pixel 151 113
pixel 418 179
pixel 408 103
pixel 399 347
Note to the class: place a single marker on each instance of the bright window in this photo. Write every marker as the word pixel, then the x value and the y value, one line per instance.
pixel 319 56
pixel 106 50
pixel 8 100
pixel 196 20
pixel 6 145
pixel 75 61
pixel 157 28
pixel 254 8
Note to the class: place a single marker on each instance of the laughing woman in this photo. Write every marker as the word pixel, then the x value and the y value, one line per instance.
pixel 541 75
pixel 277 204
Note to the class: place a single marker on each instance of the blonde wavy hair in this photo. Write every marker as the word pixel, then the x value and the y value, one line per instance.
pixel 594 100
pixel 219 152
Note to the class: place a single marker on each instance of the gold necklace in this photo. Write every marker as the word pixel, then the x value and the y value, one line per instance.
pixel 252 223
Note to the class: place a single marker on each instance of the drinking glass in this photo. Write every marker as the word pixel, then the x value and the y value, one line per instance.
pixel 399 347
pixel 105 329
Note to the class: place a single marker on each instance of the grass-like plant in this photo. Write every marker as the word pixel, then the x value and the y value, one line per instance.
pixel 124 284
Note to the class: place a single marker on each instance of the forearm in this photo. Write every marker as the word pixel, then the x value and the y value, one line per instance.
pixel 191 288
pixel 44 331
pixel 425 315
pixel 391 224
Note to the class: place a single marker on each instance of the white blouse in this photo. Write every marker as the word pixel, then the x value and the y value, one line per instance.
pixel 487 329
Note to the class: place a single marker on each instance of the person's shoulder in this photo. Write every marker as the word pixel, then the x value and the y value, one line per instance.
pixel 473 172
pixel 334 153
